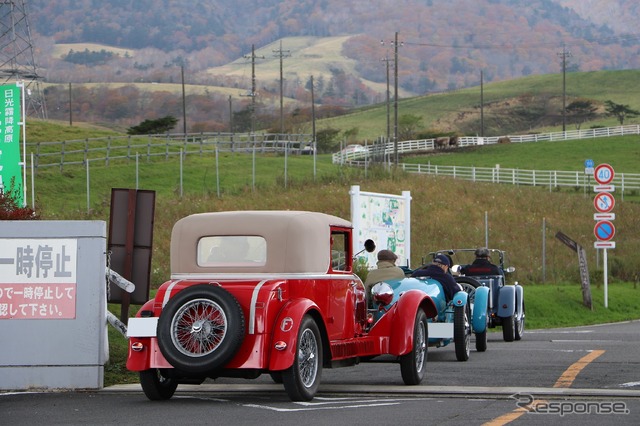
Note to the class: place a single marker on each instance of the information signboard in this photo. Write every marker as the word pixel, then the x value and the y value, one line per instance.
pixel 384 218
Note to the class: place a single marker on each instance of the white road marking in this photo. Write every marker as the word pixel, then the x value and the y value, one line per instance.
pixel 334 404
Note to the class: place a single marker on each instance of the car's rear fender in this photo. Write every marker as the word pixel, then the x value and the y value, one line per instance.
pixel 480 309
pixel 507 301
pixel 282 348
pixel 519 299
pixel 403 321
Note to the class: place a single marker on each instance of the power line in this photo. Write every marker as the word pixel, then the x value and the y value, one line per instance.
pixel 511 45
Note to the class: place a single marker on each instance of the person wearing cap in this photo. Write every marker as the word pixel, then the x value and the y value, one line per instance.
pixel 482 264
pixel 439 270
pixel 387 270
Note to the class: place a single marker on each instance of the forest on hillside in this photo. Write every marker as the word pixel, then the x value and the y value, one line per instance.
pixel 444 44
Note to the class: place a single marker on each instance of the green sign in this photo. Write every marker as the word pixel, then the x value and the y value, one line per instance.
pixel 10 164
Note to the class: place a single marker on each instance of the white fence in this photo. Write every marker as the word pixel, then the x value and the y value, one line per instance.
pixel 550 178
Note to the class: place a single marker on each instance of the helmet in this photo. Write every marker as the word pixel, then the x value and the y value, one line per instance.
pixel 482 252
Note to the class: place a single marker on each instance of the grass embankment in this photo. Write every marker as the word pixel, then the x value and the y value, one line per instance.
pixel 445 213
pixel 508 104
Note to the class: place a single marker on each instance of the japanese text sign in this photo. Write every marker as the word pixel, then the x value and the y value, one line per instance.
pixel 10 165
pixel 38 278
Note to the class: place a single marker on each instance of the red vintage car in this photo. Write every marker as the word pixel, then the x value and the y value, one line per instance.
pixel 255 292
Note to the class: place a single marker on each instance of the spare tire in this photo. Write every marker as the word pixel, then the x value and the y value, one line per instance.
pixel 200 329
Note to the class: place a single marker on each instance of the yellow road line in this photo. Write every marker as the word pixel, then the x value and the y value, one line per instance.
pixel 565 381
pixel 515 414
pixel 570 374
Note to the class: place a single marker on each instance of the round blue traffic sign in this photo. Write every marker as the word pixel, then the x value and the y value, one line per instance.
pixel 604 230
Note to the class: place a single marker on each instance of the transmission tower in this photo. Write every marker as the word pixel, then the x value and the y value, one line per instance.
pixel 16 56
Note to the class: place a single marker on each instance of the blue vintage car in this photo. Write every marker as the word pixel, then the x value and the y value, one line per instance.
pixel 506 302
pixel 452 321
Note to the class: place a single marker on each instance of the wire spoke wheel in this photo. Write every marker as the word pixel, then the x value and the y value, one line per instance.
pixel 199 327
pixel 302 379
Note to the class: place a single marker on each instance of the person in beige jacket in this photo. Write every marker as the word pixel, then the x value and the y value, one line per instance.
pixel 387 270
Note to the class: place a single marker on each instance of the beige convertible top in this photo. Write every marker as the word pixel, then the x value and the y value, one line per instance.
pixel 296 241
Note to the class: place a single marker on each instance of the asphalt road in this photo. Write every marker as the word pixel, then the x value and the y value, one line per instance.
pixel 578 376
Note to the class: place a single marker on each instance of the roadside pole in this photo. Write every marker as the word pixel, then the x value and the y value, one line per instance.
pixel 604 230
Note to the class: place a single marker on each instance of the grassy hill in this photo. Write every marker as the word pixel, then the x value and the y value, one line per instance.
pixel 510 106
pixel 445 212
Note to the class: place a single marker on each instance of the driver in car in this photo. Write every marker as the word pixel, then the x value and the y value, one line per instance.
pixel 482 264
pixel 439 270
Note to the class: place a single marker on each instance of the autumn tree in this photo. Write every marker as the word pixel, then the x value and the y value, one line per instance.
pixel 620 111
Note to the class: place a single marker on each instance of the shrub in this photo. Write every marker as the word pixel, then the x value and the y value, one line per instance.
pixel 10 210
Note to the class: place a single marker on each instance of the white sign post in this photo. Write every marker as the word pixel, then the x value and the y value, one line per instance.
pixel 604 229
pixel 384 218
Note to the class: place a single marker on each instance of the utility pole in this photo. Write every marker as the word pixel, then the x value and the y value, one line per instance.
pixel 281 54
pixel 253 87
pixel 70 110
pixel 387 60
pixel 481 104
pixel 313 128
pixel 564 55
pixel 395 96
pixel 184 104
pixel 230 116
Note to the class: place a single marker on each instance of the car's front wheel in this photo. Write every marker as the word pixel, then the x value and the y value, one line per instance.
pixel 302 379
pixel 461 332
pixel 481 338
pixel 413 364
pixel 156 385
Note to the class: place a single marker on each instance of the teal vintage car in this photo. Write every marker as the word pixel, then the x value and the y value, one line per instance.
pixel 450 321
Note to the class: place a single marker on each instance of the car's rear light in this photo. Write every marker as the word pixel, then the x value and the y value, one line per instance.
pixel 280 345
pixel 370 318
pixel 137 346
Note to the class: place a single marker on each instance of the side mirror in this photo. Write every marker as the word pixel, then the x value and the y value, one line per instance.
pixel 369 246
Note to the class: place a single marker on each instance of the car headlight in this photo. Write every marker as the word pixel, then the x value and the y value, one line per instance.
pixel 382 293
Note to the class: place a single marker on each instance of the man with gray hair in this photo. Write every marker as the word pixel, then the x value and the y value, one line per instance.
pixel 387 270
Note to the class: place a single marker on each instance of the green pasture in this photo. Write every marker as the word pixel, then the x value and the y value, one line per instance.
pixel 618 86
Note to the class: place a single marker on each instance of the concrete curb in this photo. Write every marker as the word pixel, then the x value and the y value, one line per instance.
pixel 439 391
